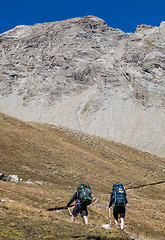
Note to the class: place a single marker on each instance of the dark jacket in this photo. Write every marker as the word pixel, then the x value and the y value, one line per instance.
pixel 75 197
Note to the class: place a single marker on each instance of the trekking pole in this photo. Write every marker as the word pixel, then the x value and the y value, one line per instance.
pixel 109 217
pixel 69 211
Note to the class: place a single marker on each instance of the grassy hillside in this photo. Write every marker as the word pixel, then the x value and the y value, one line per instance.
pixel 51 162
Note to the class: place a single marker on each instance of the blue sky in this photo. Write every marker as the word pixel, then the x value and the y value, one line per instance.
pixel 122 14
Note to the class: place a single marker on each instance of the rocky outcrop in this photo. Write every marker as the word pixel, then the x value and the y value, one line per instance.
pixel 11 178
pixel 84 75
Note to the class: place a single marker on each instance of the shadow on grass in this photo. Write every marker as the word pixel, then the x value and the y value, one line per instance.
pixel 58 208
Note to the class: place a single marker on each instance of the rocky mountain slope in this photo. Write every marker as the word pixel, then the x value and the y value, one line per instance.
pixel 84 75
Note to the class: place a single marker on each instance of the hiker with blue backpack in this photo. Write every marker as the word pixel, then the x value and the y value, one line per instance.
pixel 119 200
pixel 83 198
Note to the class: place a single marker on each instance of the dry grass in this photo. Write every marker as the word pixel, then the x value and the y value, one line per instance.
pixel 55 161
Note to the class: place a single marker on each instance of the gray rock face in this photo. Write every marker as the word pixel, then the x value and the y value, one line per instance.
pixel 84 75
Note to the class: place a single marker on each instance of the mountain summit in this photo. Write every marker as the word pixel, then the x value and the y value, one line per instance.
pixel 84 75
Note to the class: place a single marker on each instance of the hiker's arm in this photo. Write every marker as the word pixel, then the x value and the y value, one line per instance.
pixel 111 200
pixel 72 199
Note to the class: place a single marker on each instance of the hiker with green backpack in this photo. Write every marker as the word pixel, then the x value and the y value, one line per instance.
pixel 83 198
pixel 118 200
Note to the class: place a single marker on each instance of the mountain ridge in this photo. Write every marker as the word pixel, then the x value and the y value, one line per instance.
pixel 82 74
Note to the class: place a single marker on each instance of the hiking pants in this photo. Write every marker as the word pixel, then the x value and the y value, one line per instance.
pixel 118 211
pixel 80 209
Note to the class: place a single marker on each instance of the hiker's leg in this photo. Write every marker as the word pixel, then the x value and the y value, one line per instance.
pixel 122 216
pixel 117 224
pixel 115 214
pixel 84 214
pixel 122 223
pixel 85 219
pixel 75 212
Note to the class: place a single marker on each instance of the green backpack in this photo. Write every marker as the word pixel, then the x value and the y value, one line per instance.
pixel 84 194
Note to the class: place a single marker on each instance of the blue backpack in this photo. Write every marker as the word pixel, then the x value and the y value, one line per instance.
pixel 119 195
